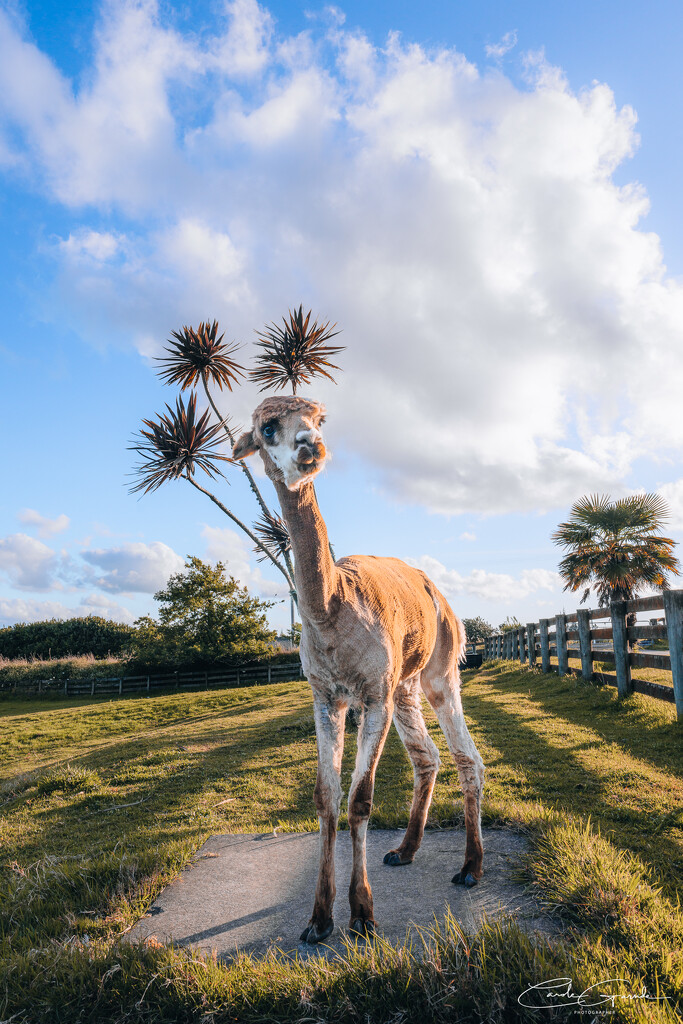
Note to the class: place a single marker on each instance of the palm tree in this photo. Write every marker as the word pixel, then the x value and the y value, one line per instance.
pixel 616 547
pixel 179 442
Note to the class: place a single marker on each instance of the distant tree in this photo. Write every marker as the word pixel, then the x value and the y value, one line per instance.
pixel 511 622
pixel 477 629
pixel 204 617
pixel 616 547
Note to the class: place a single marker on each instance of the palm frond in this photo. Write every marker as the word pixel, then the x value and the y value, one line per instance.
pixel 272 531
pixel 614 546
pixel 294 353
pixel 176 444
pixel 200 352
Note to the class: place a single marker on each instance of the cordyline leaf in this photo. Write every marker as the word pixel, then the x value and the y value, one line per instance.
pixel 294 353
pixel 200 352
pixel 175 445
pixel 615 546
pixel 273 532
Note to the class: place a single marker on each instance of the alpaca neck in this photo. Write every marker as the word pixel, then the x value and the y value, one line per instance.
pixel 314 570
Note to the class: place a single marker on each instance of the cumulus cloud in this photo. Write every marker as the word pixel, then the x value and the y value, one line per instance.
pixel 493 281
pixel 228 546
pixel 14 610
pixel 491 586
pixel 28 563
pixel 243 50
pixel 45 526
pixel 133 568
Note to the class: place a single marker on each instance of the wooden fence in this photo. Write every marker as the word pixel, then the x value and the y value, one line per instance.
pixel 564 633
pixel 246 675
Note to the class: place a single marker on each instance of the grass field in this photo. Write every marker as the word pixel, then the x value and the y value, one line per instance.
pixel 102 802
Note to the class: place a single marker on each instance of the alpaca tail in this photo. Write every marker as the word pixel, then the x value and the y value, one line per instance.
pixel 460 641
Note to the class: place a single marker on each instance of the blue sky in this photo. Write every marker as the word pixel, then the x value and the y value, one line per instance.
pixel 484 196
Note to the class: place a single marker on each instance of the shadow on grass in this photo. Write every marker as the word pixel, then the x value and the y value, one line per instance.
pixel 642 726
pixel 556 776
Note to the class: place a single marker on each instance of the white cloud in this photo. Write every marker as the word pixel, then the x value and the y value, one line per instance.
pixel 499 49
pixel 468 536
pixel 228 546
pixel 490 586
pixel 13 610
pixel 28 563
pixel 46 527
pixel 94 245
pixel 673 495
pixel 244 51
pixel 134 567
pixel 494 285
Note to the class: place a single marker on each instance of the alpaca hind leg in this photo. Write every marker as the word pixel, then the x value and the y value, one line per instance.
pixel 329 727
pixel 372 733
pixel 444 696
pixel 410 725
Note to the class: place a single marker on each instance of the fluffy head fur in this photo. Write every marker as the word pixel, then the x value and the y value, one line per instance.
pixel 286 431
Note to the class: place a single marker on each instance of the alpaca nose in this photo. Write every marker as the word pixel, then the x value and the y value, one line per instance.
pixel 311 451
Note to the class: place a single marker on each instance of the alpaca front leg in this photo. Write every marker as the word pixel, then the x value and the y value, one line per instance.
pixel 329 729
pixel 372 733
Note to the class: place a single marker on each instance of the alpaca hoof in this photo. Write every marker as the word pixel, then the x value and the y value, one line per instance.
pixel 360 927
pixel 464 878
pixel 312 933
pixel 394 859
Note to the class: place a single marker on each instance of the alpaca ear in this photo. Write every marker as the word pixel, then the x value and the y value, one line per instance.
pixel 244 446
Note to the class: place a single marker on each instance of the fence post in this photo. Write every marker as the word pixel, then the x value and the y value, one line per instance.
pixel 620 641
pixel 508 645
pixel 120 685
pixel 147 684
pixel 92 688
pixel 520 643
pixel 531 642
pixel 673 609
pixel 545 645
pixel 584 620
pixel 66 687
pixel 561 640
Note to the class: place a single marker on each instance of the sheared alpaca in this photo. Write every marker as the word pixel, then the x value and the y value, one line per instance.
pixel 374 633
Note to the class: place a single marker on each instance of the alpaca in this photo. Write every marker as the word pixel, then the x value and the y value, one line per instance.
pixel 375 632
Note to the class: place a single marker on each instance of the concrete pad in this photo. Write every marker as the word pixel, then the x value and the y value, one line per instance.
pixel 253 892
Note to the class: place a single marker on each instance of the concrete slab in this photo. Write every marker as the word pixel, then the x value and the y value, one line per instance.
pixel 254 892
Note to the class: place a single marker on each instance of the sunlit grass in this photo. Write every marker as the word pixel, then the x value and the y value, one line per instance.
pixel 102 802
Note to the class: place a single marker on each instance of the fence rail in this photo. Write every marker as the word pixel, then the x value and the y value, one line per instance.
pixel 573 634
pixel 246 675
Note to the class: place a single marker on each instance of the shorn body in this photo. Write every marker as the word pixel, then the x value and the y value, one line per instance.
pixel 376 634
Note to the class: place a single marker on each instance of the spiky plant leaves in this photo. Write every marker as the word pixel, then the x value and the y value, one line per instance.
pixel 294 353
pixel 615 546
pixel 200 354
pixel 272 531
pixel 175 445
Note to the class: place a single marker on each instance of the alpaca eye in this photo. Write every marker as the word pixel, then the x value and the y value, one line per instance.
pixel 269 431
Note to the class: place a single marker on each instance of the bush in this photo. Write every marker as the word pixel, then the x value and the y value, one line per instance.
pixel 62 638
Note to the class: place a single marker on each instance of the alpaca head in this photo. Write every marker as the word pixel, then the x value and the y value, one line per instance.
pixel 286 432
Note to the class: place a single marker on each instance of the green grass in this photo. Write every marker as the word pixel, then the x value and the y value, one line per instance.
pixel 102 803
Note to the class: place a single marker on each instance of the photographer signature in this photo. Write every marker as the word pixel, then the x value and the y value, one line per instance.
pixel 560 992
